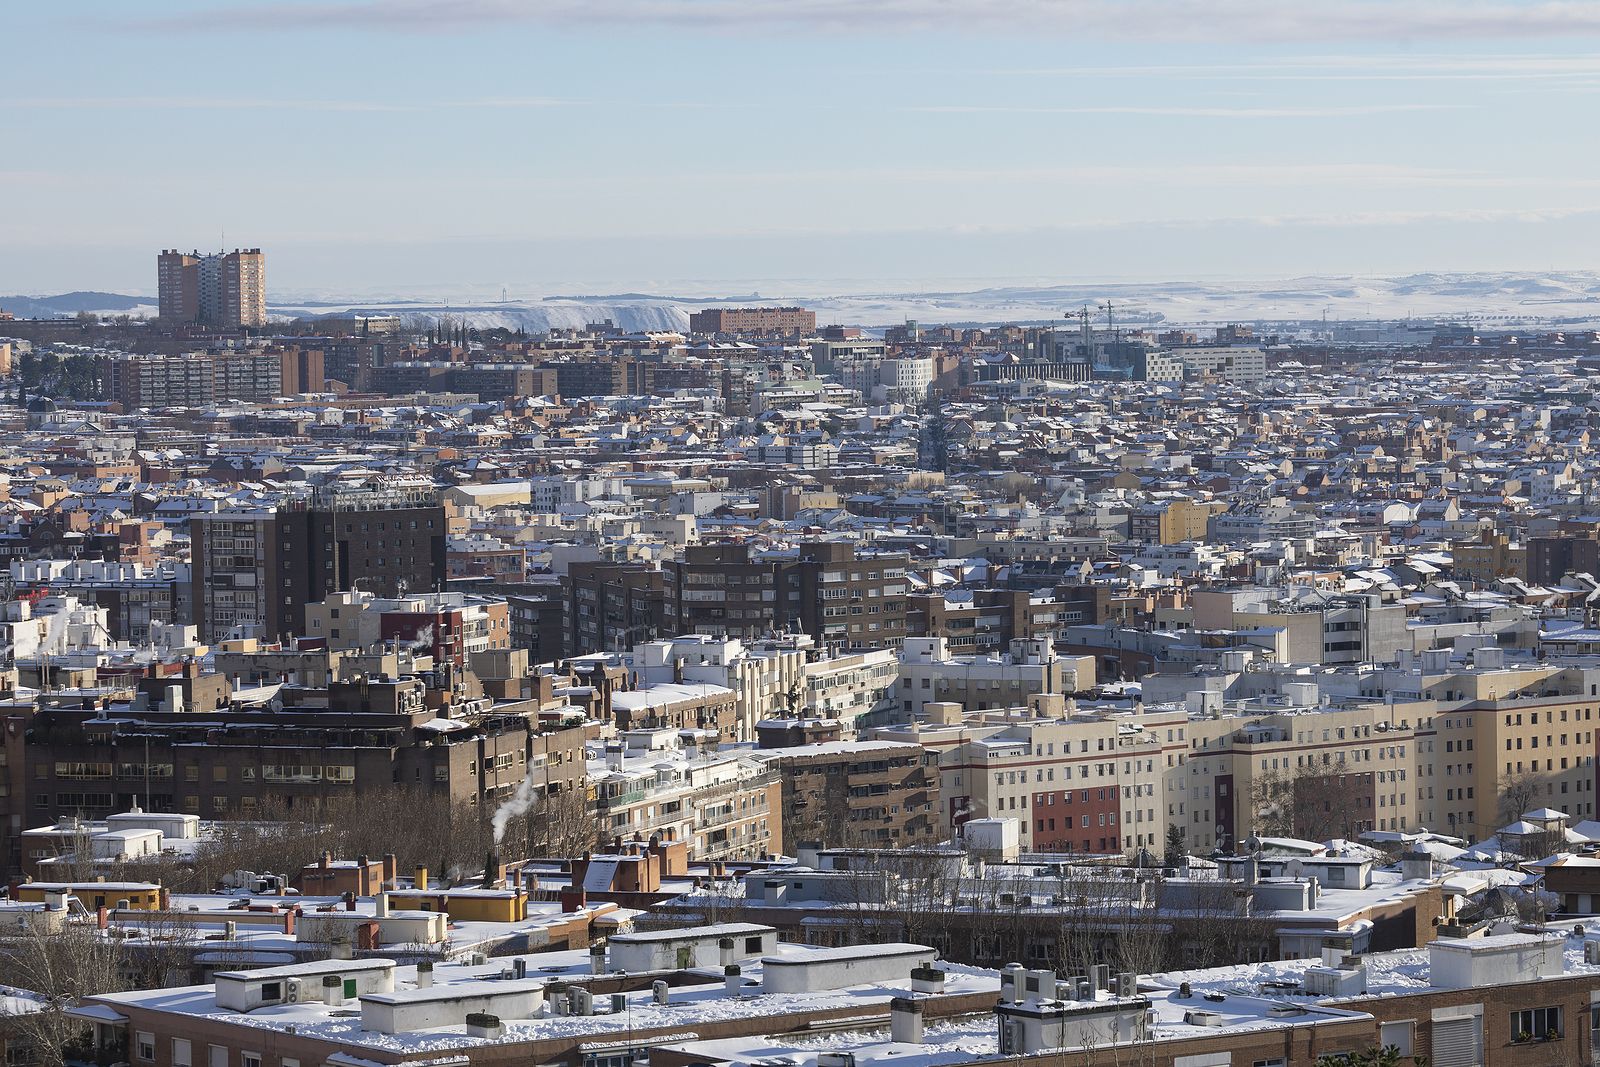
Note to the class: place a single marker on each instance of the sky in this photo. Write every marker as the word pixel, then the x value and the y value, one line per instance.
pixel 537 147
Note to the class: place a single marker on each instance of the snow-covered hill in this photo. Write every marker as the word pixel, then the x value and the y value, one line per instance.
pixel 1571 297
pixel 1508 297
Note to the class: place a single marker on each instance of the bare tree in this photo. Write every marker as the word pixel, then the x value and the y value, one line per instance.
pixel 1317 802
pixel 818 814
pixel 163 953
pixel 61 966
pixel 558 824
pixel 1519 793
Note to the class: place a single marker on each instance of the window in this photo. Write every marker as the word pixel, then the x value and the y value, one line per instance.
pixel 1399 1034
pixel 249 1059
pixel 1536 1024
pixel 181 1054
pixel 144 1045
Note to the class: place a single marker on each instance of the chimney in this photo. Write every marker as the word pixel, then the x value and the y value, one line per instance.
pixel 927 980
pixel 290 918
pixel 380 906
pixel 1416 867
pixel 332 990
pixel 419 878
pixel 349 902
pixel 732 980
pixel 102 918
pixel 597 959
pixel 425 974
pixel 391 870
pixel 905 1021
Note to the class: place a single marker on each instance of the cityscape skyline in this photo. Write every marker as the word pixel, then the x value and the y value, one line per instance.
pixel 800 533
pixel 917 142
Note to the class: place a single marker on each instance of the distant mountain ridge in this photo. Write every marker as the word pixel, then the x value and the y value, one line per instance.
pixel 68 304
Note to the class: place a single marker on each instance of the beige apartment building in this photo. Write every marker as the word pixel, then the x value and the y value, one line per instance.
pixel 1493 738
pixel 1265 770
pixel 1457 746
pixel 1076 779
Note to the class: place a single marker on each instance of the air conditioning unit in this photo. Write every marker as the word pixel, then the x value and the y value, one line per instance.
pixel 293 991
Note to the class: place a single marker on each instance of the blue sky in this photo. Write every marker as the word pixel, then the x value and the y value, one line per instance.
pixel 584 146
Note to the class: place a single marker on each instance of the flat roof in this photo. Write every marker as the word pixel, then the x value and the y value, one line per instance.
pixel 301 970
pixel 682 933
pixel 487 987
pixel 854 952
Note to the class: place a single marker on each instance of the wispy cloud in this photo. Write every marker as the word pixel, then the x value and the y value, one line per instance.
pixel 195 103
pixel 212 103
pixel 1189 175
pixel 1179 111
pixel 1221 20
pixel 1538 67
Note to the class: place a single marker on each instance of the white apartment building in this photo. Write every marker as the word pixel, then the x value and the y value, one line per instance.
pixel 900 379
pixel 930 672
pixel 662 782
pixel 856 688
pixel 51 626
pixel 1230 363
pixel 764 677
pixel 777 675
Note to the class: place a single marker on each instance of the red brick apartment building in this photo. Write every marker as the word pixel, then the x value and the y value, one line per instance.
pixel 788 320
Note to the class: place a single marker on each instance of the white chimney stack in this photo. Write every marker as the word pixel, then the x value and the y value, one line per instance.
pixel 905 1021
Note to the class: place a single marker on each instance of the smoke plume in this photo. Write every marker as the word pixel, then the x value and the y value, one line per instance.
pixel 518 803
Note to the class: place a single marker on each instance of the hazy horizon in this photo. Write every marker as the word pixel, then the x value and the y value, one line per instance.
pixel 646 145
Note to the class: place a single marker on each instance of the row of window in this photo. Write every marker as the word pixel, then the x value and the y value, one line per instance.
pixel 144 1050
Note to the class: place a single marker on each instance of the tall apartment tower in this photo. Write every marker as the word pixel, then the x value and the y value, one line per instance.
pixel 226 289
